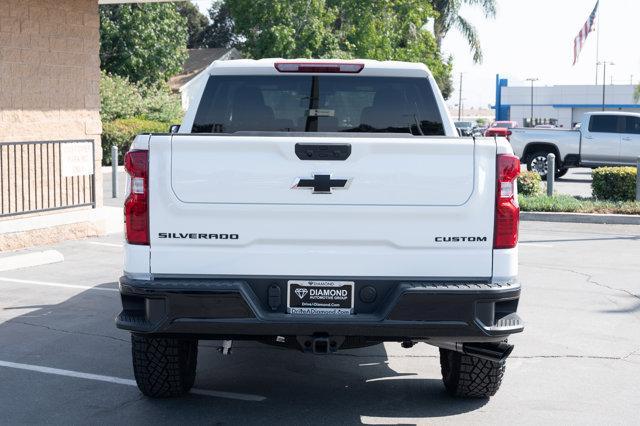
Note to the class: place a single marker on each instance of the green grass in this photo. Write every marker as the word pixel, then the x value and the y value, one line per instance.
pixel 569 204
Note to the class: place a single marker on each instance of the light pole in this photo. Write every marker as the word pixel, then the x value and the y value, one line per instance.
pixel 604 79
pixel 460 99
pixel 531 79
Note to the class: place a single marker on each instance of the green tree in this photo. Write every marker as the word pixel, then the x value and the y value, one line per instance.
pixel 220 32
pixel 393 30
pixel 449 17
pixel 374 29
pixel 285 28
pixel 197 23
pixel 142 42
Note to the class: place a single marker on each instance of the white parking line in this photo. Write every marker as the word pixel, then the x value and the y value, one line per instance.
pixel 98 243
pixel 49 284
pixel 28 260
pixel 121 381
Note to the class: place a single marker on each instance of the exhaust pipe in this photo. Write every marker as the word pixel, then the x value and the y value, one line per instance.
pixel 495 352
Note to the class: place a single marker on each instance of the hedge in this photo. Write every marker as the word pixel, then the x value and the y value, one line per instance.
pixel 121 133
pixel 529 183
pixel 614 183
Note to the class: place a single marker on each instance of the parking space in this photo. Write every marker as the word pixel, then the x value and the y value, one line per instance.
pixel 576 182
pixel 63 361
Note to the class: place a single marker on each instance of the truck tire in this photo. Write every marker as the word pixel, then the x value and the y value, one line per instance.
pixel 537 162
pixel 164 367
pixel 469 376
pixel 561 172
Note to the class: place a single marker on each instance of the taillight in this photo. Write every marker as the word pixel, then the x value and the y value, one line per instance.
pixel 509 133
pixel 319 67
pixel 136 207
pixel 507 216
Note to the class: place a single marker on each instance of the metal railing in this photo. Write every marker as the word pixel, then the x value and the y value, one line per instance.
pixel 46 175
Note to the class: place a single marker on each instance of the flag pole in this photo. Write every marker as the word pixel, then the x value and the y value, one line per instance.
pixel 597 43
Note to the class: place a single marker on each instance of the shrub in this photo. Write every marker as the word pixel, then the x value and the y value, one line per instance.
pixel 121 133
pixel 122 99
pixel 614 183
pixel 118 98
pixel 159 104
pixel 529 183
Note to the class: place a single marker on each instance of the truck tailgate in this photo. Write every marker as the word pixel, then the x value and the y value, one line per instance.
pixel 411 207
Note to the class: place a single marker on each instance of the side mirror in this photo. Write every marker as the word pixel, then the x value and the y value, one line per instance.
pixel 174 128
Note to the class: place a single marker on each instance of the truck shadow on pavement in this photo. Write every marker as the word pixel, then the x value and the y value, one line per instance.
pixel 339 388
pixel 360 385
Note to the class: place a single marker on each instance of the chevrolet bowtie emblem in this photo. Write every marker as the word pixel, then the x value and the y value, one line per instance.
pixel 321 184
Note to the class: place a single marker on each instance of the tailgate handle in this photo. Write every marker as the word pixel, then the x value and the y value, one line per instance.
pixel 323 151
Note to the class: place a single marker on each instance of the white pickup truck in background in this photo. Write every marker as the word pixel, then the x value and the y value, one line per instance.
pixel 320 205
pixel 604 139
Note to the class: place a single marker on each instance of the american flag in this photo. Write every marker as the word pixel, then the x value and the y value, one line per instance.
pixel 581 38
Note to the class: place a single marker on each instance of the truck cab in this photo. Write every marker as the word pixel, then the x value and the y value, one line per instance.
pixel 610 138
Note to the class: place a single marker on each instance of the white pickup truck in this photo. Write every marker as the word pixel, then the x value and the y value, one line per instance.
pixel 320 205
pixel 604 139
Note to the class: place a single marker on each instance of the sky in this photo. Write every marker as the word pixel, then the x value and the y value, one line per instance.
pixel 534 38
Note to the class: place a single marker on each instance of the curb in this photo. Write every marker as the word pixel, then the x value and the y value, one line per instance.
pixel 28 260
pixel 609 219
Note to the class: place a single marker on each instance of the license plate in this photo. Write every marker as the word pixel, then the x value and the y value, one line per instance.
pixel 320 297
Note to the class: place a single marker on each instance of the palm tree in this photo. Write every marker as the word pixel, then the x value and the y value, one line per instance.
pixel 449 16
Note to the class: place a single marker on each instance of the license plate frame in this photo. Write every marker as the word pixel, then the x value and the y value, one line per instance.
pixel 319 297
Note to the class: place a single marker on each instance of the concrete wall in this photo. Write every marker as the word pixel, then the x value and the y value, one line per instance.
pixel 50 73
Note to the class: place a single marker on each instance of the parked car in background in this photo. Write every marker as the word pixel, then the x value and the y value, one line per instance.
pixel 603 139
pixel 500 129
pixel 465 128
pixel 478 131
pixel 497 131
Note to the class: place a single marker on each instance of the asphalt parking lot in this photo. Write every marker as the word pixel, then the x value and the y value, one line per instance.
pixel 62 361
pixel 576 182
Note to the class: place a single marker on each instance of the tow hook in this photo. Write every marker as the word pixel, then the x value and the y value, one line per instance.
pixel 491 351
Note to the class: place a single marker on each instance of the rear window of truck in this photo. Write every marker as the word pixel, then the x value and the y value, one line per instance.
pixel 324 103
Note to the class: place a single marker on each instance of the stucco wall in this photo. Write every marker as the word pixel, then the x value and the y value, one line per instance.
pixel 50 73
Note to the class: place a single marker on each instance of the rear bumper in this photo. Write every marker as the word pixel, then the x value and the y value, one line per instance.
pixel 247 309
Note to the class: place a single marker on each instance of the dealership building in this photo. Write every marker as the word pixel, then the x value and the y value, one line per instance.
pixel 562 105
